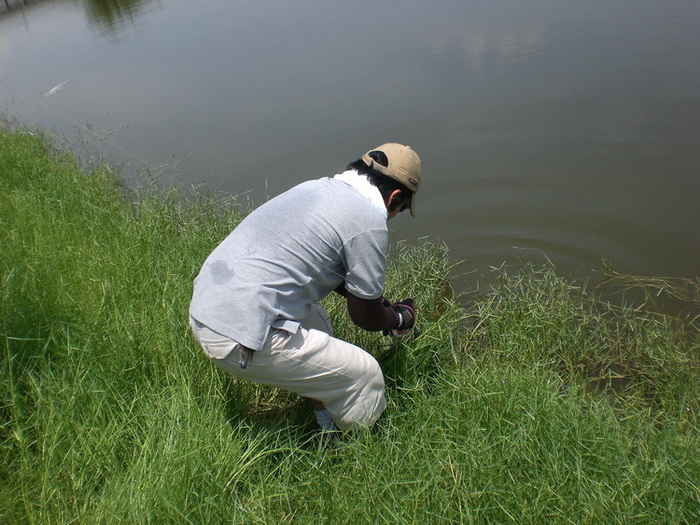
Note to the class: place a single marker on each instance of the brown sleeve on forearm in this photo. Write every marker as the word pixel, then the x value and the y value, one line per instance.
pixel 371 314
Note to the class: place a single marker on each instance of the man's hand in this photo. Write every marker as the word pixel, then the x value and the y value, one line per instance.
pixel 406 312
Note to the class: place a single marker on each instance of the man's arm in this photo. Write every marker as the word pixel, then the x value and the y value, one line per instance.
pixel 371 314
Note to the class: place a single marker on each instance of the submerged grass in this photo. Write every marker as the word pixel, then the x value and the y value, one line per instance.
pixel 538 403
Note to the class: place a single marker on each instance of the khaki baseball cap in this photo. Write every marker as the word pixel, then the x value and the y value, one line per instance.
pixel 403 166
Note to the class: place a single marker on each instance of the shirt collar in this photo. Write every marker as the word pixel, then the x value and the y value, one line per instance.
pixel 362 184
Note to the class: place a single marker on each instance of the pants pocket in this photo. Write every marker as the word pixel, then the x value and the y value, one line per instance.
pixel 214 344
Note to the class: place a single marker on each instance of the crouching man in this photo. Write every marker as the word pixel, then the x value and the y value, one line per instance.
pixel 255 308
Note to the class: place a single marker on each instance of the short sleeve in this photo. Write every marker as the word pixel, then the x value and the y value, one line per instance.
pixel 364 257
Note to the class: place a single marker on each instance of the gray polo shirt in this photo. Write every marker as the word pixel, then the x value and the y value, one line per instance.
pixel 288 254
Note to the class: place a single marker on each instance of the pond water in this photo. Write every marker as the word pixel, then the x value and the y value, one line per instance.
pixel 548 129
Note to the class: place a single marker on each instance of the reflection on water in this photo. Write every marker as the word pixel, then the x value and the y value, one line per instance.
pixel 481 45
pixel 108 15
pixel 112 15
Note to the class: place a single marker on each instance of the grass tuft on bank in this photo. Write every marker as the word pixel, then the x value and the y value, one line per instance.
pixel 538 403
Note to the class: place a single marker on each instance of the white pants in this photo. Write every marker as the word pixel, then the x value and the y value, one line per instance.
pixel 311 363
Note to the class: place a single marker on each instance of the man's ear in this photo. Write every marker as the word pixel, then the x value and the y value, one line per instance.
pixel 394 200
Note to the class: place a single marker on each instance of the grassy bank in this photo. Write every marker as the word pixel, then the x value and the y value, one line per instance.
pixel 540 404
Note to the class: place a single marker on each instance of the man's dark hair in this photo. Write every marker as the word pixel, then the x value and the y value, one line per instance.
pixel 385 185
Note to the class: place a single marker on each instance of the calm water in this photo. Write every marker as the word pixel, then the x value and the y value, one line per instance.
pixel 548 129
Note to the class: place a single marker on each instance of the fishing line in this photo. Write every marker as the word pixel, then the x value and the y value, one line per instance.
pixel 110 142
pixel 149 167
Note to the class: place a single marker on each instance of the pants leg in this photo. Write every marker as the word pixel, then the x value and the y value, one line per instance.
pixel 313 364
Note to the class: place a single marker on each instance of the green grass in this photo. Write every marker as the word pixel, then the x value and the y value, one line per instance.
pixel 539 403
